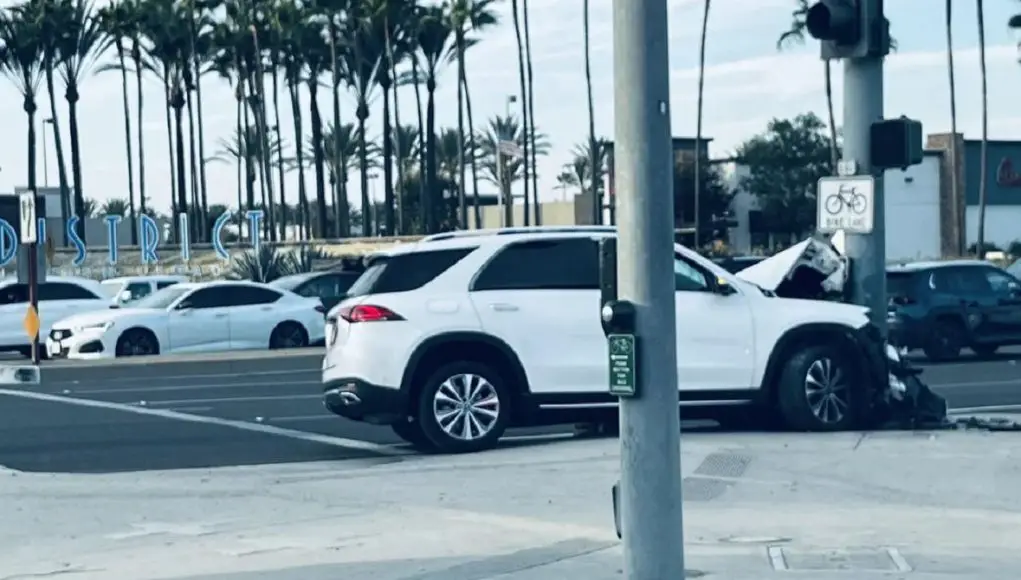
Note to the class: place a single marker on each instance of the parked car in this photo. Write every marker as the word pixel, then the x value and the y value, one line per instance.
pixel 944 307
pixel 1015 269
pixel 127 289
pixel 451 341
pixel 192 317
pixel 330 286
pixel 59 297
pixel 735 264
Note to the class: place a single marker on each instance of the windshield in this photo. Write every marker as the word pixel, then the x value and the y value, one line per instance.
pixel 111 288
pixel 161 298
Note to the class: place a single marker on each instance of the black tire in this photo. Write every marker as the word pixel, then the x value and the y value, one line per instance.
pixel 288 334
pixel 137 342
pixel 944 341
pixel 985 350
pixel 808 401
pixel 452 376
pixel 411 432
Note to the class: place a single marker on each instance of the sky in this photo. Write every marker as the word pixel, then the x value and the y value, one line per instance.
pixel 747 83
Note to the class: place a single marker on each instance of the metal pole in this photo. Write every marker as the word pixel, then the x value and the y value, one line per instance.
pixel 863 105
pixel 33 292
pixel 46 163
pixel 650 490
pixel 499 181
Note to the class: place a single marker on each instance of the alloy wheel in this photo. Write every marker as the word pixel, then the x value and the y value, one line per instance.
pixel 827 390
pixel 466 406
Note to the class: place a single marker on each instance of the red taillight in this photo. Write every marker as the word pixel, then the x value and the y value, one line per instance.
pixel 367 313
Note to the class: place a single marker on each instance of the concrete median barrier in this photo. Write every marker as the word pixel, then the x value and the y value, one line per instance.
pixel 238 363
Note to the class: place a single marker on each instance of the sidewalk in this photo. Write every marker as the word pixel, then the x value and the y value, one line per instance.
pixel 922 506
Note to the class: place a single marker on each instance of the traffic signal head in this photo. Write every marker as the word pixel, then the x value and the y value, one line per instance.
pixel 895 143
pixel 848 28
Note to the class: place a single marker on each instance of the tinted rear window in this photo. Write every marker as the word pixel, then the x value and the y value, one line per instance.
pixel 405 272
pixel 900 285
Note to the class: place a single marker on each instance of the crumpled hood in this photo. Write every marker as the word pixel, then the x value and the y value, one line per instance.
pixel 811 269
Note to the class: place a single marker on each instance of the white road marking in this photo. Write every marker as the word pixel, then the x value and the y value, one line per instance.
pixel 234 385
pixel 173 403
pixel 205 420
pixel 970 384
pixel 776 558
pixel 898 560
pixel 315 371
pixel 985 409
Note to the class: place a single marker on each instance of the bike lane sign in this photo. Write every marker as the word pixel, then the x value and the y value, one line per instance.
pixel 845 203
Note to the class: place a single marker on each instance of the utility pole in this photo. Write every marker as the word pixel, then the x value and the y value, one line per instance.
pixel 857 32
pixel 650 485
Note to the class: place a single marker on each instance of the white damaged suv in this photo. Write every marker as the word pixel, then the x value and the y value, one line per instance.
pixel 454 339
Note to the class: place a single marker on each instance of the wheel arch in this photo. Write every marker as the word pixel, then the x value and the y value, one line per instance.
pixel 804 335
pixel 139 328
pixel 297 323
pixel 435 351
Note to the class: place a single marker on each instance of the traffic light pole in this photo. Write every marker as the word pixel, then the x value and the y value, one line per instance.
pixel 650 480
pixel 863 105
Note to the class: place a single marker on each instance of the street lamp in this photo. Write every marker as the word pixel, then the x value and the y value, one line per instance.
pixel 506 145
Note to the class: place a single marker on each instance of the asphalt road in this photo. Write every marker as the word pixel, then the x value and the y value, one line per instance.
pixel 214 412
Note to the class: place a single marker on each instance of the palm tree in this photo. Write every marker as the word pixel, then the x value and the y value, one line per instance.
pixel 364 64
pixel 511 168
pixel 948 21
pixel 983 153
pixel 597 203
pixel 698 122
pixel 531 118
pixel 795 35
pixel 435 43
pixel 116 20
pixel 343 145
pixel 522 81
pixel 21 55
pixel 467 16
pixel 114 206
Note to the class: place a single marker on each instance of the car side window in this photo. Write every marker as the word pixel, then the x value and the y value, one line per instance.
pixel 63 291
pixel 138 290
pixel 162 285
pixel 688 278
pixel 1002 283
pixel 565 264
pixel 251 296
pixel 972 282
pixel 14 294
pixel 213 297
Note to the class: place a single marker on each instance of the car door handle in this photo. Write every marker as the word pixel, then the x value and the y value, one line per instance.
pixel 220 315
pixel 503 307
pixel 266 308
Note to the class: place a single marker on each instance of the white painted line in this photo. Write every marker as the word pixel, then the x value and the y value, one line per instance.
pixel 985 409
pixel 177 402
pixel 776 558
pixel 234 385
pixel 972 384
pixel 240 425
pixel 898 560
pixel 315 371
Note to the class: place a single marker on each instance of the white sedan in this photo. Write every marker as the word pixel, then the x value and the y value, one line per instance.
pixel 190 318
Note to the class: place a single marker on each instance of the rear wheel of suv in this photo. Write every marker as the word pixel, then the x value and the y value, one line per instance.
pixel 464 407
pixel 944 341
pixel 818 390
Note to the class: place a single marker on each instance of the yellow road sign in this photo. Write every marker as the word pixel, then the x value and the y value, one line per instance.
pixel 31 323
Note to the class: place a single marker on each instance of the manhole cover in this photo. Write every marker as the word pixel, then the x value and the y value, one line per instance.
pixel 839 559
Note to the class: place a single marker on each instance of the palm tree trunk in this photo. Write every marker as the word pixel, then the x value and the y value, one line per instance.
pixel 340 211
pixel 834 150
pixel 462 202
pixel 368 223
pixel 58 144
pixel 388 153
pixel 170 149
pixel 203 184
pixel 197 217
pixel 423 197
pixel 127 142
pixel 182 187
pixel 430 158
pixel 473 151
pixel 391 65
pixel 136 57
pixel 30 108
pixel 983 153
pixel 954 193
pixel 317 149
pixel 280 151
pixel 531 118
pixel 524 124
pixel 292 90
pixel 597 204
pixel 266 159
pixel 71 96
pixel 698 125
pixel 239 128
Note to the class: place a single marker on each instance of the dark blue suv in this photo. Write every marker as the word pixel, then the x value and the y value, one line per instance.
pixel 944 307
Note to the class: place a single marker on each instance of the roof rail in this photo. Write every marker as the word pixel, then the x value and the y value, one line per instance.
pixel 517 231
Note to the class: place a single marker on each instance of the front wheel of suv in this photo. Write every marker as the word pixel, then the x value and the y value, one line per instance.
pixel 818 390
pixel 464 407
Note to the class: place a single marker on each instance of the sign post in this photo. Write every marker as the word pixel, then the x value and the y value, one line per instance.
pixel 30 238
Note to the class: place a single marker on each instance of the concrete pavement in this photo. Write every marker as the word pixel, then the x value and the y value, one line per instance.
pixel 925 506
pixel 250 408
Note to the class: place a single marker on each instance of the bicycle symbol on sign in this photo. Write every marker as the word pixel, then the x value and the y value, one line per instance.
pixel 847 197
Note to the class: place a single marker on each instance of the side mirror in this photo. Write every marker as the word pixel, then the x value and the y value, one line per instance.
pixel 723 287
pixel 183 306
pixel 124 296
